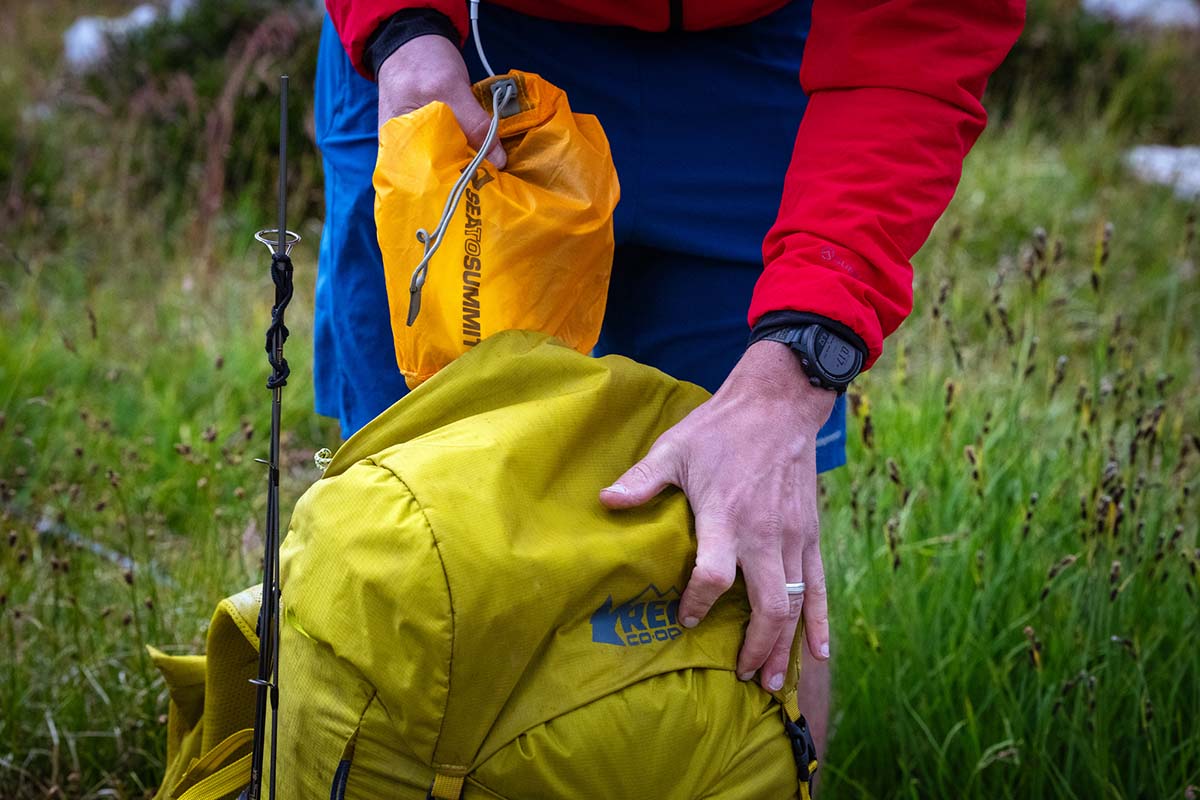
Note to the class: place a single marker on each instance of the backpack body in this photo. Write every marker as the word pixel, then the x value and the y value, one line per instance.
pixel 461 616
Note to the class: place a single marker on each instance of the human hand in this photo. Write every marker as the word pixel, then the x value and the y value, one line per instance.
pixel 746 459
pixel 431 68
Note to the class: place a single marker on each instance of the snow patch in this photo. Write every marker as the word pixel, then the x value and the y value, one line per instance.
pixel 1156 13
pixel 1177 167
pixel 86 44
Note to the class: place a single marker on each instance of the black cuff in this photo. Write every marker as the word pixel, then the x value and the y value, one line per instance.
pixel 774 320
pixel 400 29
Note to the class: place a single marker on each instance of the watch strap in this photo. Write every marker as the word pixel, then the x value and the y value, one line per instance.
pixel 829 361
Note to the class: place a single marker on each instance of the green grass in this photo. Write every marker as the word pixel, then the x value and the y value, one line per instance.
pixel 962 668
pixel 132 406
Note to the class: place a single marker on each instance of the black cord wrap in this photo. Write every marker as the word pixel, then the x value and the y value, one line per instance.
pixel 277 334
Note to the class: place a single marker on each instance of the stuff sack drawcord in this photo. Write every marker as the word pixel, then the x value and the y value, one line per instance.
pixel 503 93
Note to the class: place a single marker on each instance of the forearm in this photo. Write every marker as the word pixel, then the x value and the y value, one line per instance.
pixel 358 21
pixel 894 107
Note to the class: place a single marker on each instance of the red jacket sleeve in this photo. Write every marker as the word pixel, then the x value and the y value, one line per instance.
pixel 894 105
pixel 356 20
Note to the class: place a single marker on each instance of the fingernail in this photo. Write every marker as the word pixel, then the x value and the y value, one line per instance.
pixel 745 676
pixel 690 622
pixel 825 650
pixel 776 683
pixel 617 488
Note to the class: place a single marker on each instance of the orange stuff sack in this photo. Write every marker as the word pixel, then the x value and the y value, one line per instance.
pixel 527 248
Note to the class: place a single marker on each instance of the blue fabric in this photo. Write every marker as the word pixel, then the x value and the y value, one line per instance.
pixel 701 127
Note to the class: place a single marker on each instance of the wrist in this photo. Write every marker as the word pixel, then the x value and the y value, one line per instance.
pixel 400 29
pixel 770 372
pixel 828 358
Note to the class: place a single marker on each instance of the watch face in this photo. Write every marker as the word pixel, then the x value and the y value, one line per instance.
pixel 836 356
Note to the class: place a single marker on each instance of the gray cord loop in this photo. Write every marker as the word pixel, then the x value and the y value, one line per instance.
pixel 502 92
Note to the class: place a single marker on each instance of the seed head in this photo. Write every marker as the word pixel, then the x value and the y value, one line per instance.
pixel 1035 647
pixel 1060 372
pixel 1058 567
pixel 893 540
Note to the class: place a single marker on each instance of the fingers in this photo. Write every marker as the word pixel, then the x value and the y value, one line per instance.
pixel 802 563
pixel 716 566
pixel 474 122
pixel 816 608
pixel 643 481
pixel 773 619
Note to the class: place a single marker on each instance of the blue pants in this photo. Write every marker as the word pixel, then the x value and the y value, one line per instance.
pixel 701 127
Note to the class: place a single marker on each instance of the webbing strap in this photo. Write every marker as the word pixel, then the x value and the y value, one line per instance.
pixel 791 706
pixel 804 750
pixel 221 783
pixel 220 778
pixel 447 787
pixel 203 771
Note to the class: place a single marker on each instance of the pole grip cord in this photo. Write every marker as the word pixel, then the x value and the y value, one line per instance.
pixel 277 333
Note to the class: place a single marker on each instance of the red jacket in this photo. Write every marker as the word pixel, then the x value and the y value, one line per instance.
pixel 894 106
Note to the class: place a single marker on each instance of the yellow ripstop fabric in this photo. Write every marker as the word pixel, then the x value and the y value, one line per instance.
pixel 528 248
pixel 212 700
pixel 456 598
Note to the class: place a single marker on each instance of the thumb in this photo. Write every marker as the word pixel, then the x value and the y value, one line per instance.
pixel 475 122
pixel 643 481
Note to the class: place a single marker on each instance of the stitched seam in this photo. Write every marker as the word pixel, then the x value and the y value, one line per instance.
pixel 450 598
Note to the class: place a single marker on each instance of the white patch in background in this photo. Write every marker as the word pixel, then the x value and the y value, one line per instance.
pixel 1177 167
pixel 1156 13
pixel 86 43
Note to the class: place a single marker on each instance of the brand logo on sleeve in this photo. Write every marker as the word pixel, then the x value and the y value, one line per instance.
pixel 652 617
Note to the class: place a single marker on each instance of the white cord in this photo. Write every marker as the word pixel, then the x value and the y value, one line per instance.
pixel 502 92
pixel 479 44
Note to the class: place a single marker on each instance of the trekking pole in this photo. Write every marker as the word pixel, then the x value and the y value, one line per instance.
pixel 280 242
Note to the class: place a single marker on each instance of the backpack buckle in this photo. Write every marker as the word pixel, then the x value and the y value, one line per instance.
pixel 804 750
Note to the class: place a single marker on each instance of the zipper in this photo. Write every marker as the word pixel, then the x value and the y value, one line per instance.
pixel 676 20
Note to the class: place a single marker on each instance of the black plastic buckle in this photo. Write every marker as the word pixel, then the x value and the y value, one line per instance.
pixel 803 748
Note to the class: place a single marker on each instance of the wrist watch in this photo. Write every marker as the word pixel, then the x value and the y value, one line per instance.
pixel 829 361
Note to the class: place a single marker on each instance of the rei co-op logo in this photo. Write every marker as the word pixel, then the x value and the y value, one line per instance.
pixel 649 618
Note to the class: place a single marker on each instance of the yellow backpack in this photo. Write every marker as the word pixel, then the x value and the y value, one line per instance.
pixel 462 618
